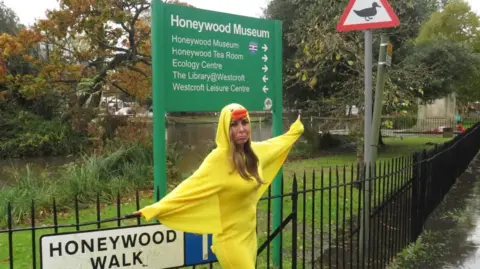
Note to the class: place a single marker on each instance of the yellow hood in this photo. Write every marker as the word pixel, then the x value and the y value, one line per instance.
pixel 223 130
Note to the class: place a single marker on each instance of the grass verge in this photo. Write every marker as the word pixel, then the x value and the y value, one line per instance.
pixel 120 171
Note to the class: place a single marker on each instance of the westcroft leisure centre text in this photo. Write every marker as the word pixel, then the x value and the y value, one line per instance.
pixel 201 26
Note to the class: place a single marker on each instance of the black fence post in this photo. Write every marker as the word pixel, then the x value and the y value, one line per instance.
pixel 415 218
pixel 422 195
pixel 10 234
pixel 294 222
pixel 55 217
pixel 34 241
pixel 304 228
pixel 98 211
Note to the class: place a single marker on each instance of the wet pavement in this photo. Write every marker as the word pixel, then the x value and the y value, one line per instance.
pixel 452 233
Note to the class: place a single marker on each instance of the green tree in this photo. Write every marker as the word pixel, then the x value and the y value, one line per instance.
pixel 451 67
pixel 457 22
pixel 8 20
pixel 450 43
pixel 324 69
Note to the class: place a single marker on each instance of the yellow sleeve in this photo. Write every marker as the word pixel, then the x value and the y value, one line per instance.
pixel 273 152
pixel 193 206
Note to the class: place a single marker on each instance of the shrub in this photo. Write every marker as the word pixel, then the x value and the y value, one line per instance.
pixel 26 134
pixel 316 143
pixel 122 170
pixel 399 122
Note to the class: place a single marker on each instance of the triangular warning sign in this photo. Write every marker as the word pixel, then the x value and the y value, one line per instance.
pixel 367 14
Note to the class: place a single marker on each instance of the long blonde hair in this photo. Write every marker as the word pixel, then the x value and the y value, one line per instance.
pixel 245 162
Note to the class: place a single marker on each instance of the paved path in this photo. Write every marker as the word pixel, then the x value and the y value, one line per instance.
pixel 456 224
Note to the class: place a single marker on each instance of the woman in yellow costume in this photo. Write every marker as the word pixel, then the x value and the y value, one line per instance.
pixel 221 197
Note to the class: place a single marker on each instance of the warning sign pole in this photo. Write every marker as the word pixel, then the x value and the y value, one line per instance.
pixel 367 149
pixel 365 15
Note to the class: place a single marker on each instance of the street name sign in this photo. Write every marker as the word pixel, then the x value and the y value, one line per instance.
pixel 147 246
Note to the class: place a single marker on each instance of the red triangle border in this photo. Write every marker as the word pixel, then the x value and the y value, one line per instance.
pixel 366 26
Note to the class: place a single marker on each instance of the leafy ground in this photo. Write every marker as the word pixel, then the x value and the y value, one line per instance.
pixel 336 206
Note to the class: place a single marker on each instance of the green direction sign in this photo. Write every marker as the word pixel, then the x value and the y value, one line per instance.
pixel 211 59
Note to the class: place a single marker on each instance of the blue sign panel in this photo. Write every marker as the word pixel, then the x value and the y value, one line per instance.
pixel 198 249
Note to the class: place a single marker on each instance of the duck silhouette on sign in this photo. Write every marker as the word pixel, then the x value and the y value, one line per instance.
pixel 368 13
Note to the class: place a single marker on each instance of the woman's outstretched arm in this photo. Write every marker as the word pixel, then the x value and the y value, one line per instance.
pixel 273 152
pixel 193 206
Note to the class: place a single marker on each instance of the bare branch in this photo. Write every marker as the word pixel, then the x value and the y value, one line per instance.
pixel 146 60
pixel 122 89
pixel 112 48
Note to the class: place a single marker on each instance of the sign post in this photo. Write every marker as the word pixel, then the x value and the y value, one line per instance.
pixel 158 77
pixel 204 60
pixel 277 130
pixel 377 109
pixel 365 15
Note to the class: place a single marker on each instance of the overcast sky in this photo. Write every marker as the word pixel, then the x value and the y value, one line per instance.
pixel 29 10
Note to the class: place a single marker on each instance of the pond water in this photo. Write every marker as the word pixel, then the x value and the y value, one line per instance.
pixel 195 141
pixel 7 166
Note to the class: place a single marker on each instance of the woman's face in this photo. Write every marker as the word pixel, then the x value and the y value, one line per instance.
pixel 240 131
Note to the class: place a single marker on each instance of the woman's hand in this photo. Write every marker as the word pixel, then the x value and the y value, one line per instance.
pixel 134 214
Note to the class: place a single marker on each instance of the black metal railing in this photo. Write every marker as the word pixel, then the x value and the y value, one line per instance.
pixel 405 126
pixel 323 213
pixel 394 126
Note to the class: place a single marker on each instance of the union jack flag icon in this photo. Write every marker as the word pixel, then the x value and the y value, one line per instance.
pixel 252 47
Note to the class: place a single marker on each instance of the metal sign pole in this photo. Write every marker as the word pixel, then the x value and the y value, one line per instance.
pixel 367 151
pixel 159 154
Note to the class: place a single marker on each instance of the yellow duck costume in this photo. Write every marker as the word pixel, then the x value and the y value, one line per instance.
pixel 217 201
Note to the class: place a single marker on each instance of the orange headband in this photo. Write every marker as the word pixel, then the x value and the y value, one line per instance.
pixel 239 113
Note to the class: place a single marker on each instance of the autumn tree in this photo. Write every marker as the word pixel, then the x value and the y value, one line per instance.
pixel 16 45
pixel 8 25
pixel 327 68
pixel 86 47
pixel 105 39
